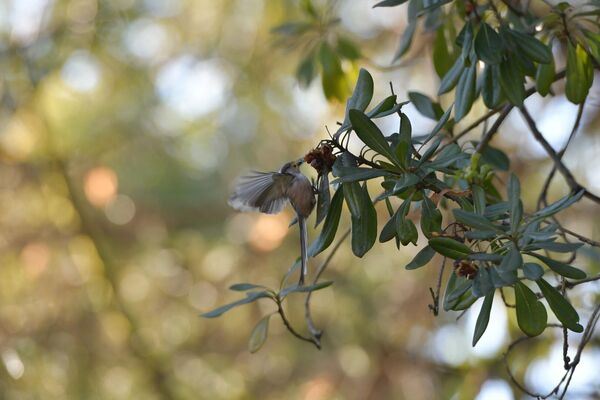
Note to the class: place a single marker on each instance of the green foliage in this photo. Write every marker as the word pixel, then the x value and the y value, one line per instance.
pixel 531 313
pixel 451 188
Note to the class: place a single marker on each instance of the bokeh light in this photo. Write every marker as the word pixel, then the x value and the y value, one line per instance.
pixel 123 124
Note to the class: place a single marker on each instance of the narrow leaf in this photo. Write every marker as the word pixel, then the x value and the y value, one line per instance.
pixel 370 134
pixel 329 226
pixel 450 248
pixel 465 92
pixel 488 45
pixel 422 258
pixel 566 270
pixel 250 297
pixel 484 318
pixel 451 78
pixel 323 199
pixel 259 335
pixel 364 226
pixel 563 310
pixel 533 271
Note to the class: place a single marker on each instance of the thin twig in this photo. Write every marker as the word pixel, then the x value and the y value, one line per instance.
pixel 291 329
pixel 573 184
pixel 314 331
pixel 584 239
pixel 544 193
pixel 494 128
pixel 586 337
pixel 435 296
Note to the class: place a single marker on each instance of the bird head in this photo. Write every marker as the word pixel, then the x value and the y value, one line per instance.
pixel 292 166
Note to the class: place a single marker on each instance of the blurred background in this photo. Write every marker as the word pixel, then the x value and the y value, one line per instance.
pixel 123 124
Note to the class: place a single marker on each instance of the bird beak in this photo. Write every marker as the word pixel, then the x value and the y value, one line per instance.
pixel 300 161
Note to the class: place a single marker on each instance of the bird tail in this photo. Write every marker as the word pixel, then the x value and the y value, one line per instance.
pixel 303 249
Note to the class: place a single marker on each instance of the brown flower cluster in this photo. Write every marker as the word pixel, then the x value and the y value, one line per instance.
pixel 464 268
pixel 321 158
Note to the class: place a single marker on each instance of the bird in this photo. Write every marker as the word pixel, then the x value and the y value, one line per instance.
pixel 270 192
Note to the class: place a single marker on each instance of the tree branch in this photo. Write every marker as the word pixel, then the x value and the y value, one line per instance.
pixel 544 193
pixel 573 184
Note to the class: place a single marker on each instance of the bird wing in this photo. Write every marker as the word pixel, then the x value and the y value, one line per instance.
pixel 261 191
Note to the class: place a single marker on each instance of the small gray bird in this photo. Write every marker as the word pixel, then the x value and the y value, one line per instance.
pixel 269 192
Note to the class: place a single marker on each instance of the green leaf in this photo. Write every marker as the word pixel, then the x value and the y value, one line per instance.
pixel 382 109
pixel 593 45
pixel 482 284
pixel 579 74
pixel 405 181
pixel 242 287
pixel 304 289
pixel 474 220
pixel 443 120
pixel 389 230
pixel 503 278
pixel 466 40
pixel 557 247
pixel 429 152
pixel 323 199
pixel 451 78
pixel 465 92
pixel 514 199
pixel 370 134
pixel 512 260
pixel 558 206
pixel 307 70
pixel 406 230
pixel 544 77
pixel 455 288
pixel 259 335
pixel 442 60
pixel 406 41
pixel 532 47
pixel 481 235
pixel 250 297
pixel 364 226
pixel 479 200
pixel 425 105
pixel 566 270
pixel 389 3
pixel 353 174
pixel 531 313
pixel 363 91
pixel 422 258
pixel 488 45
pixel 332 78
pixel 533 271
pixel 329 226
pixel 450 248
pixel 497 158
pixel 484 318
pixel 404 143
pixel 405 128
pixel 353 195
pixel 512 82
pixel 563 310
pixel 491 91
pixel 491 257
pixel 447 156
pixel 431 218
pixel 347 49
